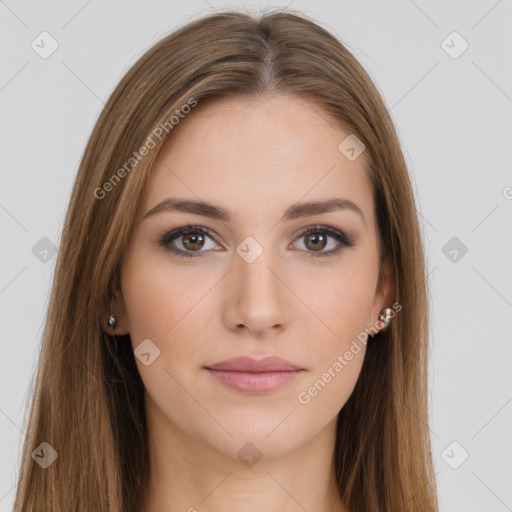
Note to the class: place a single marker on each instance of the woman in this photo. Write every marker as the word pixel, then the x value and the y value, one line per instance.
pixel 238 319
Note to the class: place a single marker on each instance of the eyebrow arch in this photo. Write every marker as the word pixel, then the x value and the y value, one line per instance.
pixel 295 211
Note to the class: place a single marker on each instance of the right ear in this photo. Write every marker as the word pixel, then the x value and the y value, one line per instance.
pixel 117 308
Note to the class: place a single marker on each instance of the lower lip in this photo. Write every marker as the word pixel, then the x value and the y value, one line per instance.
pixel 254 382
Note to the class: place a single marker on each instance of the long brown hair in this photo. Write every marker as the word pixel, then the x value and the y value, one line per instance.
pixel 88 399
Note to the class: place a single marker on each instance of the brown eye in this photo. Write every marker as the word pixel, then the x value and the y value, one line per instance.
pixel 317 238
pixel 193 241
pixel 188 241
pixel 315 241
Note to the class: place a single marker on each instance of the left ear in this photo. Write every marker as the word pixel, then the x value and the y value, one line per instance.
pixel 384 294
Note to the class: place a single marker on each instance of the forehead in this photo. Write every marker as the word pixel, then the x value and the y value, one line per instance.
pixel 255 155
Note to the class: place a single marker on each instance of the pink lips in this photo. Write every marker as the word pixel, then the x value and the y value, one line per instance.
pixel 257 376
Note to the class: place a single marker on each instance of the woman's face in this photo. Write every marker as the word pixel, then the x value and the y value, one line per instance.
pixel 247 281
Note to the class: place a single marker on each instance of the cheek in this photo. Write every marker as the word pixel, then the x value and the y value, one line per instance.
pixel 163 306
pixel 339 353
pixel 343 306
pixel 171 309
pixel 158 299
pixel 343 303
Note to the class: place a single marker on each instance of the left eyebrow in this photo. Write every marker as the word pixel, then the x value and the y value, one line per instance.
pixel 293 212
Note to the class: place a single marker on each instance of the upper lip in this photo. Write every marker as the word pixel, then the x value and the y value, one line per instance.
pixel 247 364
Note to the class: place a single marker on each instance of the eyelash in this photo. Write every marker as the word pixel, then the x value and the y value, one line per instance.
pixel 343 239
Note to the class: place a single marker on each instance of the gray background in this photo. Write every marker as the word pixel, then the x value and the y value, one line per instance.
pixel 453 114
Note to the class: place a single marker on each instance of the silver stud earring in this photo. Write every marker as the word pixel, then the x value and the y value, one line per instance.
pixel 386 314
pixel 112 322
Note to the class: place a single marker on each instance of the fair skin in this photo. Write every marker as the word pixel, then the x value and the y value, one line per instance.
pixel 256 159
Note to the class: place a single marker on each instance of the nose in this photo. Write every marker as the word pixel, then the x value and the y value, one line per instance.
pixel 257 298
